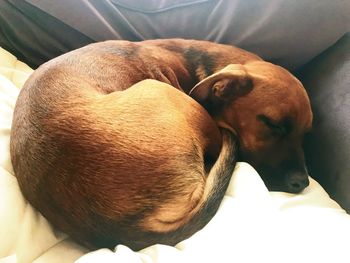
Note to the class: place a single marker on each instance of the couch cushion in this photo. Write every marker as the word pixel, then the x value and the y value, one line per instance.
pixel 289 33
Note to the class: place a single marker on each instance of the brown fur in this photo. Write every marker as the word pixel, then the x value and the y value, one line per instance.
pixel 109 159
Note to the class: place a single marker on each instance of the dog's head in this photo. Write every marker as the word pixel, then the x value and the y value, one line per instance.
pixel 270 111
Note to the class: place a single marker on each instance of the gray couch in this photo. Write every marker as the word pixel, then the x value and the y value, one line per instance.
pixel 307 37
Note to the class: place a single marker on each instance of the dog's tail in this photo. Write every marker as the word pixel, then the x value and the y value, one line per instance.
pixel 216 183
pixel 218 179
pixel 214 190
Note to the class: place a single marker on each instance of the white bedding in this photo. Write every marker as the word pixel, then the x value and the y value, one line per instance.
pixel 252 224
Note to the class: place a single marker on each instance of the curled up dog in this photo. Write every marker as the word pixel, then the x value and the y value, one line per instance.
pixel 109 156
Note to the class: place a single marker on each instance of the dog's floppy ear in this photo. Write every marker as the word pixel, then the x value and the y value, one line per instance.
pixel 222 86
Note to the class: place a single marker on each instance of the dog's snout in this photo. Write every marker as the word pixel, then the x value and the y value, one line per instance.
pixel 297 183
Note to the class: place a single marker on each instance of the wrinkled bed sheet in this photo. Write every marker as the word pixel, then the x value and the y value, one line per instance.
pixel 252 224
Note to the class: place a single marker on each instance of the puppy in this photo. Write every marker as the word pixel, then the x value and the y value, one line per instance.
pixel 110 160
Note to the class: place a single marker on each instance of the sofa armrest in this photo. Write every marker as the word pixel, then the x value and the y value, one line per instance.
pixel 327 149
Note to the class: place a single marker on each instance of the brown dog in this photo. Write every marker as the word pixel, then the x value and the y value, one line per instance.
pixel 111 164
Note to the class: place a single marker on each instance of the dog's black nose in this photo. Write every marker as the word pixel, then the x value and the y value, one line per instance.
pixel 297 183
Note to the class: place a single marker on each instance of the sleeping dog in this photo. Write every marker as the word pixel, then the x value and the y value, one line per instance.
pixel 110 157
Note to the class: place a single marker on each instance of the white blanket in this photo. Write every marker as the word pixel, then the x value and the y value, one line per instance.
pixel 252 224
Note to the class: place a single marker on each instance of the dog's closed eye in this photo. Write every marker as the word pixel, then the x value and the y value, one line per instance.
pixel 278 129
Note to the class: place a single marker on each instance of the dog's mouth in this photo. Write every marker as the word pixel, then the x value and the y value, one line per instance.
pixel 294 188
pixel 285 181
pixel 288 175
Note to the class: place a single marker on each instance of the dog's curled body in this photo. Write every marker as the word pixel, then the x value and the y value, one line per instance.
pixel 109 159
pixel 111 162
